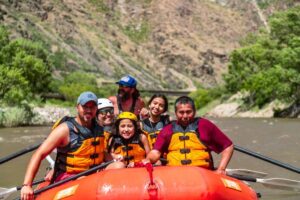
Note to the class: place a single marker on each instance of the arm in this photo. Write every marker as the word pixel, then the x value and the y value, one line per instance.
pixel 145 143
pixel 113 99
pixel 226 156
pixel 140 108
pixel 152 157
pixel 58 137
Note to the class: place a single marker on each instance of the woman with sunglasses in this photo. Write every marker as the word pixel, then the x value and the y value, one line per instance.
pixel 105 117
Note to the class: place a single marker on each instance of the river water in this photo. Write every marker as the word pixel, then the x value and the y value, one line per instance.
pixel 276 138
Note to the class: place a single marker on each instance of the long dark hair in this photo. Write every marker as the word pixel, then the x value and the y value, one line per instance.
pixel 160 96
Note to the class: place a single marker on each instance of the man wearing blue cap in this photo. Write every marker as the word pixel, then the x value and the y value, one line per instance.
pixel 128 97
pixel 79 142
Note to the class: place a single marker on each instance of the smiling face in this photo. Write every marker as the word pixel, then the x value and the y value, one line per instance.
pixel 185 114
pixel 157 106
pixel 105 116
pixel 126 128
pixel 87 111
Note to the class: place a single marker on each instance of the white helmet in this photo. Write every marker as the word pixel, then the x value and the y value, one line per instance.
pixel 104 103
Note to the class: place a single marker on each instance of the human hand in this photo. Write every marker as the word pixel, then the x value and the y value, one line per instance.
pixel 49 175
pixel 27 193
pixel 118 157
pixel 220 171
pixel 144 113
pixel 145 161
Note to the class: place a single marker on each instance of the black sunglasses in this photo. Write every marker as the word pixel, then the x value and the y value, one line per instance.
pixel 104 111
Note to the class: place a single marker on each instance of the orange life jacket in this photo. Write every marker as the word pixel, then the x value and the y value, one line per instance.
pixel 186 148
pixel 132 149
pixel 85 149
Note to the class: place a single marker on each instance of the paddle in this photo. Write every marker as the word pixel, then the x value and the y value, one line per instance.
pixel 277 183
pixel 245 172
pixel 5 192
pixel 87 172
pixel 19 153
pixel 265 158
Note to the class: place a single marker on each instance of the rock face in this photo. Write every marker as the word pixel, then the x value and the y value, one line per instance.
pixel 48 115
pixel 157 41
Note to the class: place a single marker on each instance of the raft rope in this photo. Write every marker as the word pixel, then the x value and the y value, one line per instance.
pixel 152 187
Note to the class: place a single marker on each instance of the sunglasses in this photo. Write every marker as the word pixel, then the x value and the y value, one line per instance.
pixel 104 111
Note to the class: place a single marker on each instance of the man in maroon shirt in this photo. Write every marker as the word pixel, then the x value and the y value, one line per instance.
pixel 189 140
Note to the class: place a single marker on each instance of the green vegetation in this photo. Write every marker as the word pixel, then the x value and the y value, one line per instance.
pixel 25 70
pixel 100 5
pixel 77 82
pixel 204 96
pixel 267 66
pixel 138 33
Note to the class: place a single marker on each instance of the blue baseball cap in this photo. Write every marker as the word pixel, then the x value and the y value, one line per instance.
pixel 127 81
pixel 86 97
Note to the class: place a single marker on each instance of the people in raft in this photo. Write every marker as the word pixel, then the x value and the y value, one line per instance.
pixel 105 118
pixel 189 140
pixel 79 142
pixel 129 145
pixel 151 126
pixel 128 98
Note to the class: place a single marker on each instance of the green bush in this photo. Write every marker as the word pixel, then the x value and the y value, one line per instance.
pixel 204 96
pixel 24 69
pixel 76 83
pixel 15 116
pixel 269 67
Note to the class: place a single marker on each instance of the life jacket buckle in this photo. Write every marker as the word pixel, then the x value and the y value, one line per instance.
pixel 186 162
pixel 152 136
pixel 128 158
pixel 95 143
pixel 184 137
pixel 93 156
pixel 127 148
pixel 184 151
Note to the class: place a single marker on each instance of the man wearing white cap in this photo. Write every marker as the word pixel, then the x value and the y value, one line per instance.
pixel 79 142
pixel 128 97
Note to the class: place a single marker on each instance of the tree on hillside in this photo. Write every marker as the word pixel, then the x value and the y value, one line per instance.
pixel 268 66
pixel 24 69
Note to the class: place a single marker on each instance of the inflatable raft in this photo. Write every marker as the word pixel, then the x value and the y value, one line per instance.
pixel 183 182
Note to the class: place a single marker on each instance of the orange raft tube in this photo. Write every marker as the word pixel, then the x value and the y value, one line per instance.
pixel 182 182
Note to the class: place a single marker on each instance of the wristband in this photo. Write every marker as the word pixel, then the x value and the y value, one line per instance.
pixel 26 185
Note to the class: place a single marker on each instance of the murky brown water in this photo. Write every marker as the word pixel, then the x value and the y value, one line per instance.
pixel 276 138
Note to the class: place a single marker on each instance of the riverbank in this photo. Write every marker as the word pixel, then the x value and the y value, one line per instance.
pixel 234 107
pixel 49 114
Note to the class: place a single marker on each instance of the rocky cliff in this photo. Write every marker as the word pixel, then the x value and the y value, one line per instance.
pixel 170 44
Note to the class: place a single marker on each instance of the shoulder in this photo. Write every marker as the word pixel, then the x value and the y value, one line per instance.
pixel 143 137
pixel 205 122
pixel 140 101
